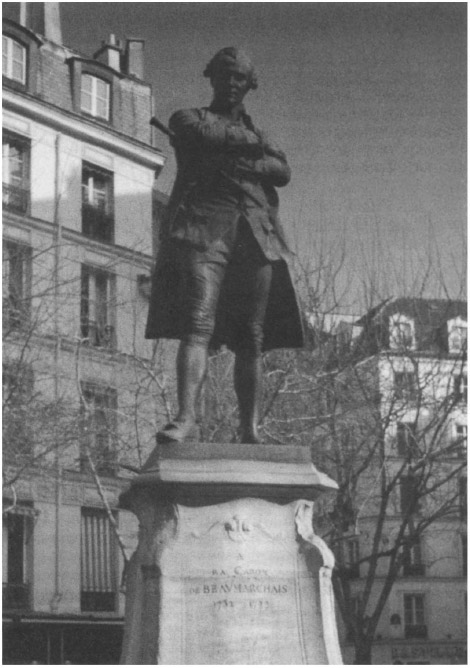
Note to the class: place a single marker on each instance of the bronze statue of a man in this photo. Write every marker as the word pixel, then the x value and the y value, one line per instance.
pixel 221 275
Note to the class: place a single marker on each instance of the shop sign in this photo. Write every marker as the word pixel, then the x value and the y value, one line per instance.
pixel 429 652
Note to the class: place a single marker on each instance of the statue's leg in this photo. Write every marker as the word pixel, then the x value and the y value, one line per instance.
pixel 203 280
pixel 248 372
pixel 191 368
pixel 248 379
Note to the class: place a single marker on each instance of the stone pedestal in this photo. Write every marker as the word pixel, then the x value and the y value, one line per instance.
pixel 228 569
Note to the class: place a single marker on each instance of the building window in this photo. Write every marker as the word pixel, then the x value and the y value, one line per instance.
pixel 13 60
pixel 98 441
pixel 97 203
pixel 352 558
pixel 415 626
pixel 409 495
pixel 17 432
pixel 16 276
pixel 16 152
pixel 459 440
pixel 457 333
pixel 18 522
pixel 405 386
pixel 460 388
pixel 95 96
pixel 97 307
pixel 413 560
pixel 98 562
pixel 401 332
pixel 463 498
pixel 406 439
pixel 463 538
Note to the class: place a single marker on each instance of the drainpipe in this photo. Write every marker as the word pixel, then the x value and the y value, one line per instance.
pixel 54 604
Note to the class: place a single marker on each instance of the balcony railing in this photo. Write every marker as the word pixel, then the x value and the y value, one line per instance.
pixel 96 223
pixel 99 336
pixel 16 596
pixel 97 601
pixel 15 198
pixel 416 631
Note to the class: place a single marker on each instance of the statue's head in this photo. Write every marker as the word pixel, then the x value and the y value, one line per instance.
pixel 232 75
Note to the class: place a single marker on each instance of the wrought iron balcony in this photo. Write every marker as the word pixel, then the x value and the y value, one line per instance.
pixel 99 336
pixel 15 198
pixel 16 596
pixel 97 224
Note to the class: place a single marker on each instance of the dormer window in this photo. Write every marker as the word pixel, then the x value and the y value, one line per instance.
pixel 95 96
pixel 13 60
pixel 402 332
pixel 457 333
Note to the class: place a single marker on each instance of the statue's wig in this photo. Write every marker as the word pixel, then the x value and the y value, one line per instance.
pixel 230 55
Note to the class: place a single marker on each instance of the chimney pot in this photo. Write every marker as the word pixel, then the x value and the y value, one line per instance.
pixel 109 53
pixel 42 18
pixel 134 57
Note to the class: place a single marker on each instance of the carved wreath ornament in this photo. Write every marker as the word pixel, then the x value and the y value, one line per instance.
pixel 238 529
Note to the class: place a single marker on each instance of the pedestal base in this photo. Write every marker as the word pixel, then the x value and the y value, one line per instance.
pixel 228 569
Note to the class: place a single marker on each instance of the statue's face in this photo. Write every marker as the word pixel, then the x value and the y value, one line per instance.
pixel 230 83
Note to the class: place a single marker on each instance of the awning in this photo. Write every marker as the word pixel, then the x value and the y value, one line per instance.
pixel 19 509
pixel 22 618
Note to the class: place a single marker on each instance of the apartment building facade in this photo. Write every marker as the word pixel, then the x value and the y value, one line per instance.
pixel 79 380
pixel 402 440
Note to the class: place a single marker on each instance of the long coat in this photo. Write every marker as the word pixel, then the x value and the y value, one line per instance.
pixel 213 156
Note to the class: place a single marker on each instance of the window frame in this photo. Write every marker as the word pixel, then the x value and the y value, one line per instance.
pixel 460 387
pixel 22 142
pixel 97 222
pixel 413 563
pixel 353 555
pixel 94 97
pixel 459 437
pixel 462 500
pixel 80 66
pixel 464 553
pixel 103 400
pixel 19 377
pixel 17 557
pixel 17 318
pixel 10 43
pixel 405 391
pixel 408 485
pixel 397 340
pixel 31 43
pixel 97 332
pixel 457 344
pixel 406 438
pixel 417 628
pixel 101 599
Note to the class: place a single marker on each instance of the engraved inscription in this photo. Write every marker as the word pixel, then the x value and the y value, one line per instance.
pixel 240 608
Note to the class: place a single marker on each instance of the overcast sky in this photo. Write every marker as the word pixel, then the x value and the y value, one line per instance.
pixel 368 100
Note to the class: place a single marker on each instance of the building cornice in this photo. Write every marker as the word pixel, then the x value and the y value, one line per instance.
pixel 113 251
pixel 83 129
pixel 110 357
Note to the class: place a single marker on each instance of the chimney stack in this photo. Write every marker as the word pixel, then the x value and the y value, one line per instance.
pixel 110 53
pixel 134 57
pixel 42 18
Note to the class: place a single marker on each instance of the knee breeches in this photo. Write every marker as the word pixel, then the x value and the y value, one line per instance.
pixel 244 278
